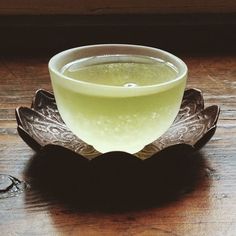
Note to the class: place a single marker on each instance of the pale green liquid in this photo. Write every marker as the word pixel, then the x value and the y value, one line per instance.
pixel 117 122
pixel 127 71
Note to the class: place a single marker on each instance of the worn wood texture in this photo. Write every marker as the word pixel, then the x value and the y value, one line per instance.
pixel 205 206
pixel 98 7
pixel 27 34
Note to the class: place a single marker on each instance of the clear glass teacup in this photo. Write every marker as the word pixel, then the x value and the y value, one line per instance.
pixel 118 97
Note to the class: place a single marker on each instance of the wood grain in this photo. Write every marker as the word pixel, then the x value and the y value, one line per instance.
pixel 202 33
pixel 206 204
pixel 100 7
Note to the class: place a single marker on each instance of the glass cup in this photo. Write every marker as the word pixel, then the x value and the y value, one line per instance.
pixel 118 117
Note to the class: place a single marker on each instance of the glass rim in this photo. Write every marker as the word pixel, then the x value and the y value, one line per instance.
pixel 178 63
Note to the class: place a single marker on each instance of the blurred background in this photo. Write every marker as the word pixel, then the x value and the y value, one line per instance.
pixel 40 26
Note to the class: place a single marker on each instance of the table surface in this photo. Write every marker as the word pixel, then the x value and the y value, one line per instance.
pixel 207 208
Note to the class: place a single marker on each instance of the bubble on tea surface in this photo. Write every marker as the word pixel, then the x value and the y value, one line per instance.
pixel 130 85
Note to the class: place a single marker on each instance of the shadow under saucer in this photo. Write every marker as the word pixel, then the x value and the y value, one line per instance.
pixel 115 182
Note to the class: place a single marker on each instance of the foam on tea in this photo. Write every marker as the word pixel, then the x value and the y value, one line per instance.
pixel 130 108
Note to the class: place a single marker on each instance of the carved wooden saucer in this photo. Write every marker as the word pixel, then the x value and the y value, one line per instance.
pixel 41 126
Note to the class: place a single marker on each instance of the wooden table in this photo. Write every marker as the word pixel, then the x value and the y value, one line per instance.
pixel 208 207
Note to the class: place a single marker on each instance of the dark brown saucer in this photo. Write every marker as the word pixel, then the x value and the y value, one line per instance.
pixel 41 126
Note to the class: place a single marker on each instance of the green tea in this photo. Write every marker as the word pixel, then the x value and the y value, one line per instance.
pixel 119 102
pixel 121 70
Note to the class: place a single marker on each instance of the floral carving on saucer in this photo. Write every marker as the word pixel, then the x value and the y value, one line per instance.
pixel 41 126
